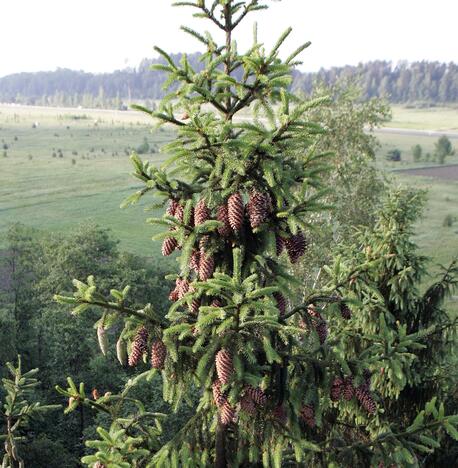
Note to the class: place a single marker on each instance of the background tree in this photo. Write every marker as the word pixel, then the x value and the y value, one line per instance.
pixel 443 148
pixel 417 152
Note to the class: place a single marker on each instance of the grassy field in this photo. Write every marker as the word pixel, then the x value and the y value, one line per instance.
pixel 433 118
pixel 73 167
pixel 68 166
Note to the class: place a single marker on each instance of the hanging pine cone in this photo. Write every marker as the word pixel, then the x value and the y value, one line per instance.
pixel 365 399
pixel 258 208
pixel 279 413
pixel 103 340
pixel 216 303
pixel 279 244
pixel 139 346
pixel 247 405
pixel 281 302
pixel 348 390
pixel 179 212
pixel 158 354
pixel 222 215
pixel 345 311
pixel 337 388
pixel 295 246
pixel 235 211
pixel 218 395
pixel 201 213
pixel 194 260
pixel 206 266
pixel 182 287
pixel 308 415
pixel 195 306
pixel 173 296
pixel 257 395
pixel 224 365
pixel 367 374
pixel 172 207
pixel 227 413
pixel 121 351
pixel 322 330
pixel 169 245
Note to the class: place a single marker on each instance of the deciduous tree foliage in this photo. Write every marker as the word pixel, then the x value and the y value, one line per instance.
pixel 239 197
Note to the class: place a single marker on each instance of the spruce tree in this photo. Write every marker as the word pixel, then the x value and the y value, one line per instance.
pixel 239 196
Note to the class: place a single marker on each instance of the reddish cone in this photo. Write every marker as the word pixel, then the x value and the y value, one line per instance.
pixel 365 399
pixel 337 388
pixel 279 244
pixel 235 211
pixel 224 365
pixel 295 246
pixel 308 415
pixel 194 260
pixel 218 395
pixel 345 311
pixel 257 395
pixel 172 207
pixel 222 215
pixel 169 245
pixel 227 413
pixel 206 266
pixel 201 213
pixel 281 302
pixel 139 346
pixel 158 354
pixel 348 389
pixel 258 208
pixel 247 405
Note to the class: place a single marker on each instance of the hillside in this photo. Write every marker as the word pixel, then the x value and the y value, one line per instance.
pixel 423 83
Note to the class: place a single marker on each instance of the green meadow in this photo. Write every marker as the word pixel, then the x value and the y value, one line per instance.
pixel 61 167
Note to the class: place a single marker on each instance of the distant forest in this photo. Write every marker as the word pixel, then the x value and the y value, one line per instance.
pixel 426 83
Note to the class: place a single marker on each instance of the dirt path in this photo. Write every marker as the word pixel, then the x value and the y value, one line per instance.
pixel 444 172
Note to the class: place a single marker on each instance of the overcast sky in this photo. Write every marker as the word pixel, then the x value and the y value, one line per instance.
pixel 104 35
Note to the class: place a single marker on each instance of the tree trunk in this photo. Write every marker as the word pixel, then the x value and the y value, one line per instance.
pixel 220 446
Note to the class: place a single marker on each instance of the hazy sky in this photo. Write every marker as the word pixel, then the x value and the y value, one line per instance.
pixel 104 35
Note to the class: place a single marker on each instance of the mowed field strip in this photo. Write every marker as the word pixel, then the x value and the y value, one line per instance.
pixel 66 166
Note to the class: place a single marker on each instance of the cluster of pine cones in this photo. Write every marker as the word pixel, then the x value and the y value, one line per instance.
pixel 232 216
pixel 344 388
pixel 158 351
pixel 251 398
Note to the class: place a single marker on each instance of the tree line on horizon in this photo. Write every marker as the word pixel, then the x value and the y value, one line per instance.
pixel 419 83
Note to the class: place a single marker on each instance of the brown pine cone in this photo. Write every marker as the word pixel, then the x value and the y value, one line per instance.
pixel 279 244
pixel 256 394
pixel 348 390
pixel 227 413
pixel 95 394
pixel 258 208
pixel 194 260
pixel 279 413
pixel 139 346
pixel 235 211
pixel 308 415
pixel 201 213
pixel 179 212
pixel 195 306
pixel 222 215
pixel 345 311
pixel 182 287
pixel 206 266
pixel 172 207
pixel 158 354
pixel 169 245
pixel 295 246
pixel 247 405
pixel 218 395
pixel 224 365
pixel 281 302
pixel 173 296
pixel 365 399
pixel 337 388
pixel 322 331
pixel 216 303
